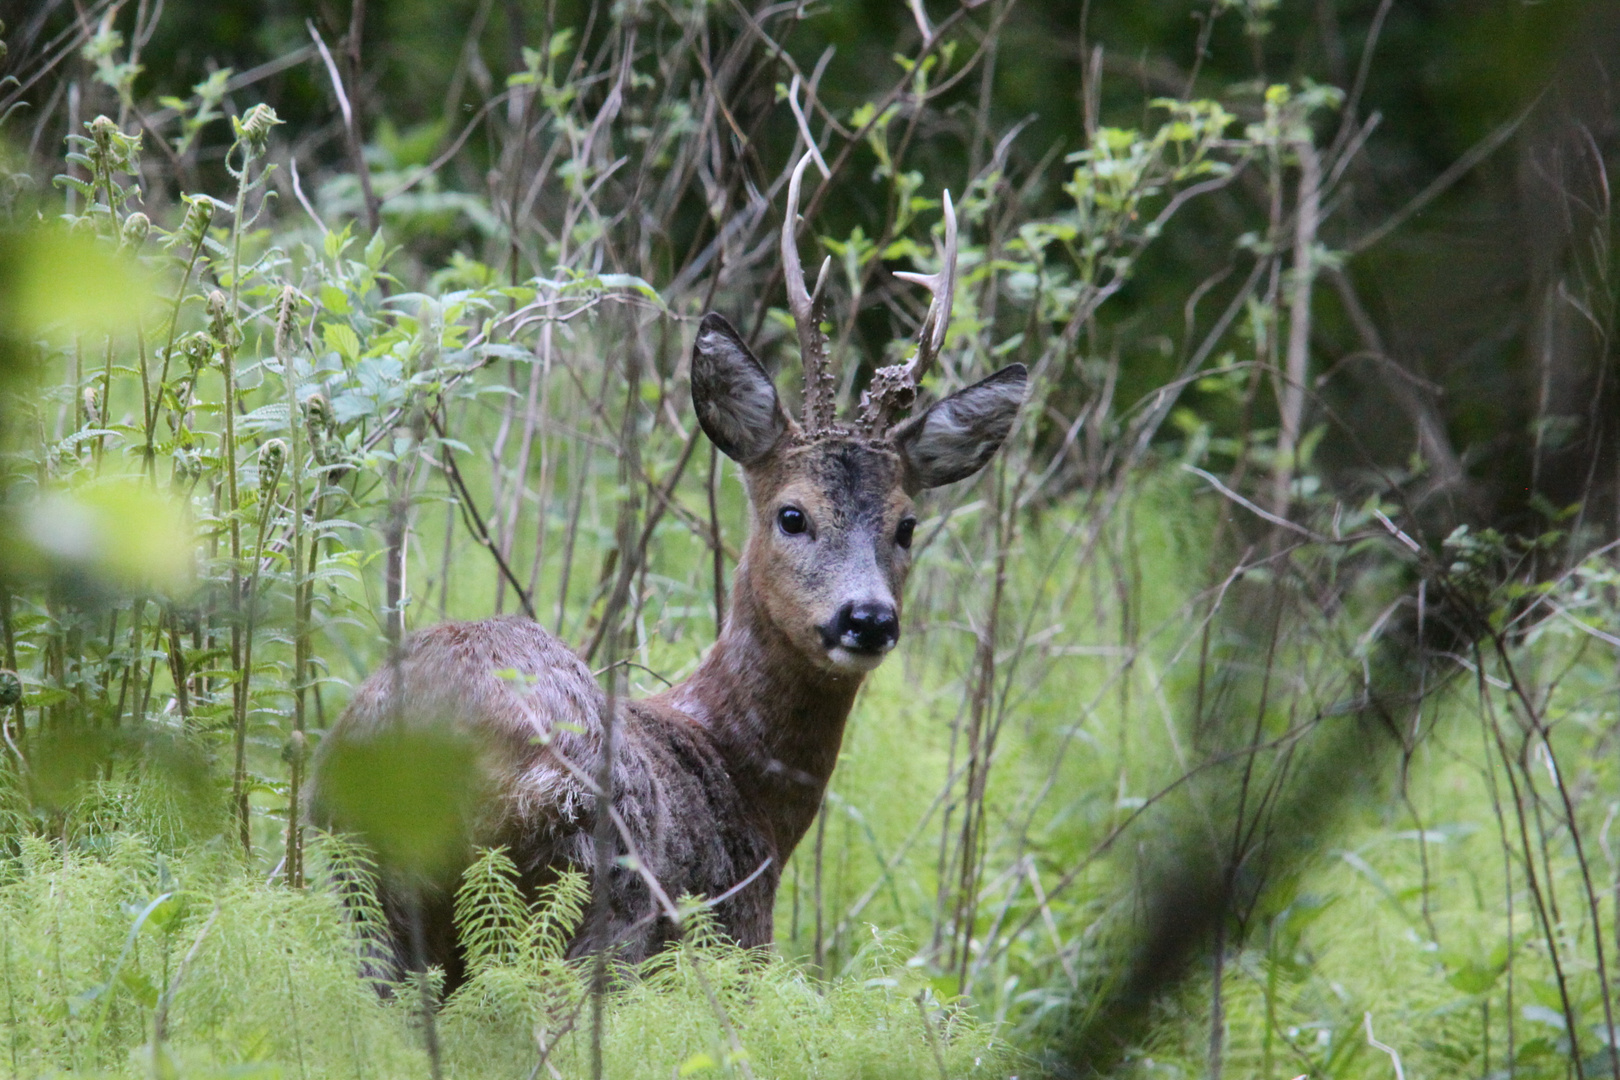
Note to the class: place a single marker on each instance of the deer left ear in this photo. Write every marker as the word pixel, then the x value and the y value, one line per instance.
pixel 954 437
pixel 734 398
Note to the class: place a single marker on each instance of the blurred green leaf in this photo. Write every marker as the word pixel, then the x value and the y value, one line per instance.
pixel 410 794
pixel 51 279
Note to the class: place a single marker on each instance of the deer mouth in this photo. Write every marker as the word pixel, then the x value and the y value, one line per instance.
pixel 861 635
pixel 845 658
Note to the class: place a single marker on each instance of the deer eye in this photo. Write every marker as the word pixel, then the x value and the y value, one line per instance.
pixel 791 520
pixel 902 535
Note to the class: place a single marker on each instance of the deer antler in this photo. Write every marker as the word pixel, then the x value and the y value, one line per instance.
pixel 819 408
pixel 894 388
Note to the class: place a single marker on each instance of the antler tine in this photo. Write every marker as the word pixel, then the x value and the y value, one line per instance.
pixel 931 336
pixel 819 412
pixel 895 388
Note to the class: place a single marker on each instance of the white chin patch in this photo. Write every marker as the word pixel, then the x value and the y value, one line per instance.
pixel 849 660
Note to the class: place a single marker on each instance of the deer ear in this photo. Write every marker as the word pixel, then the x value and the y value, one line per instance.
pixel 954 438
pixel 734 398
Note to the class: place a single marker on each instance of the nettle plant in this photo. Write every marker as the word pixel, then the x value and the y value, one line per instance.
pixel 276 398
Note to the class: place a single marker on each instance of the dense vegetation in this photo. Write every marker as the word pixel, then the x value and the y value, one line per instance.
pixel 1256 711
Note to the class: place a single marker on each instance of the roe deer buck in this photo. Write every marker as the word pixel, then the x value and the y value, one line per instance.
pixel 715 780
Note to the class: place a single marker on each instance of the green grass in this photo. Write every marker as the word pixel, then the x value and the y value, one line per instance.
pixel 265 981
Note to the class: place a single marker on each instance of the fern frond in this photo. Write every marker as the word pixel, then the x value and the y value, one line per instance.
pixel 346 866
pixel 556 914
pixel 491 917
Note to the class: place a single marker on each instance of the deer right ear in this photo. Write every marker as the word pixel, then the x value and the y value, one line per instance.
pixel 734 398
pixel 955 437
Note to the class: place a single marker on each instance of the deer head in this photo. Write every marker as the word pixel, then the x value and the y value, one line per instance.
pixel 832 515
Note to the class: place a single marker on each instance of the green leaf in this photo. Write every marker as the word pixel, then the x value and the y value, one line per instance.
pixel 340 338
pixel 334 300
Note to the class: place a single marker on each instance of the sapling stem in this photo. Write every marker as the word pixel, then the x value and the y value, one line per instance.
pixel 252 131
pixel 271 463
pixel 197 218
pixel 295 502
pixel 225 331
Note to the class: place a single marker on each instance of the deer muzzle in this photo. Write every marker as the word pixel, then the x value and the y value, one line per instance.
pixel 861 634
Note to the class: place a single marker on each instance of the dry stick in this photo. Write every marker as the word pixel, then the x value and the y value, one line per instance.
pixel 1161 404
pixel 1544 735
pixel 601 894
pixel 580 462
pixel 396 538
pixel 1460 168
pixel 533 409
pixel 351 134
pixel 498 472
pixel 979 745
pixel 548 463
pixel 64 44
pixel 1548 926
pixel 1292 407
pixel 475 523
pixel 395 531
pixel 662 496
pixel 424 984
pixel 994 710
pixel 578 454
pixel 1103 846
pixel 526 95
pixel 667 501
pixel 739 1057
pixel 886 875
pixel 1507 861
pixel 1148 425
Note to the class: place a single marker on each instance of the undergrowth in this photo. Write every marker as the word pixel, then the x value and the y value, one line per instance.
pixel 254 429
pixel 119 958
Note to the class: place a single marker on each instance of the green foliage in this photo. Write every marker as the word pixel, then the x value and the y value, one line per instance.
pixel 218 507
pixel 131 960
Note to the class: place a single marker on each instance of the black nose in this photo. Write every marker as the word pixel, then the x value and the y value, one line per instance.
pixel 867 626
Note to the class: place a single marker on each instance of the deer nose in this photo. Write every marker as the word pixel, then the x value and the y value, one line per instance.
pixel 870 626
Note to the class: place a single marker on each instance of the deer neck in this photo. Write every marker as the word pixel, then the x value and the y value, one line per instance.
pixel 778 719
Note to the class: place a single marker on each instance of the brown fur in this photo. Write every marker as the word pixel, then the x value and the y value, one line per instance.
pixel 713 778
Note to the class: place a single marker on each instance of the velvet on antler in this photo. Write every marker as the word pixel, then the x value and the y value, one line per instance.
pixel 894 388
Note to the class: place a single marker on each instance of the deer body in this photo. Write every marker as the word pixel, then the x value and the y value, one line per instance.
pixel 717 779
